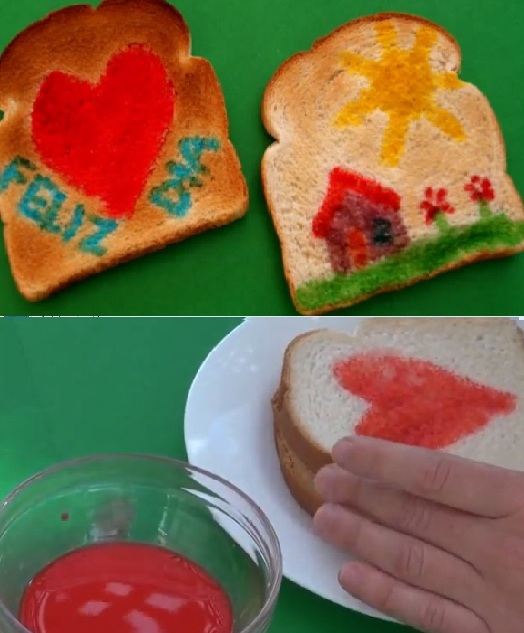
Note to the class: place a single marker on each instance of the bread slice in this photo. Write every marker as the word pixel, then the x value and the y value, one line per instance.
pixel 387 168
pixel 452 384
pixel 114 142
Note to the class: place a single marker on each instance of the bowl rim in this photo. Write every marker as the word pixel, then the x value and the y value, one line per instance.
pixel 275 551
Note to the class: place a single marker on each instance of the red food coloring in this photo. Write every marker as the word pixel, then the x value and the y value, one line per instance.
pixel 342 182
pixel 64 516
pixel 436 202
pixel 417 402
pixel 480 189
pixel 125 588
pixel 104 138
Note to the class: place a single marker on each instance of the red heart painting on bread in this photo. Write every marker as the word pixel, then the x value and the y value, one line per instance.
pixel 104 138
pixel 417 402
pixel 114 143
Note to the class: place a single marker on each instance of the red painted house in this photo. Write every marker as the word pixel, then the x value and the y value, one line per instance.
pixel 360 221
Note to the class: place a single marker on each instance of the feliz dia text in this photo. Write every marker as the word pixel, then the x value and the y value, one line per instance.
pixel 43 203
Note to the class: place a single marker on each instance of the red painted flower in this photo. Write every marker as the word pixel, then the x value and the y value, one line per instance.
pixel 436 202
pixel 480 189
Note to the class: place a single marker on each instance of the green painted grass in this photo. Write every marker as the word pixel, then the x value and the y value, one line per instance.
pixel 421 258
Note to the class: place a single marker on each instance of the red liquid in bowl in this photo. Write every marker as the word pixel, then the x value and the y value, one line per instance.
pixel 125 588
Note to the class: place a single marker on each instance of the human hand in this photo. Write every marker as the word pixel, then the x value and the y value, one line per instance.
pixel 441 539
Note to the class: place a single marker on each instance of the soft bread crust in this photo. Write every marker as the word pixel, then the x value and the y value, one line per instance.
pixel 299 105
pixel 79 41
pixel 489 350
pixel 299 479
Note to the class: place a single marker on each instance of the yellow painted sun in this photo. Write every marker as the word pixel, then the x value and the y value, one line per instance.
pixel 403 85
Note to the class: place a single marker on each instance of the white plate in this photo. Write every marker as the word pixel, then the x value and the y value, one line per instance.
pixel 228 431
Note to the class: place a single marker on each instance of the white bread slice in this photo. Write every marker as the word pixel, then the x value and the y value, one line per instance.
pixel 312 411
pixel 353 105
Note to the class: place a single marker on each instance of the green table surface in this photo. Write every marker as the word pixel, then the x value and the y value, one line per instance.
pixel 237 270
pixel 74 387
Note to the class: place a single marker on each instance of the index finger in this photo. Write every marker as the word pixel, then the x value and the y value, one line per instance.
pixel 470 486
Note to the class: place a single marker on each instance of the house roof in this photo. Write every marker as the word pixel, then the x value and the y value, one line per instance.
pixel 342 182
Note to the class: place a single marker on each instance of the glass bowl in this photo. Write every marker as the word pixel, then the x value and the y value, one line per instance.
pixel 145 499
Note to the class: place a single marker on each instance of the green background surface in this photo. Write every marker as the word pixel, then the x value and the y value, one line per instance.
pixel 237 270
pixel 70 388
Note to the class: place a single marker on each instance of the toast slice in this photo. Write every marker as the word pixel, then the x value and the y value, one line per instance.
pixel 387 168
pixel 451 384
pixel 114 142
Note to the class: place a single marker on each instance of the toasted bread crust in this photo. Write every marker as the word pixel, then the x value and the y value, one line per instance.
pixel 273 95
pixel 79 41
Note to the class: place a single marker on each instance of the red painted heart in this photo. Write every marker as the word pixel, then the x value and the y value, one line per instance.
pixel 104 138
pixel 417 402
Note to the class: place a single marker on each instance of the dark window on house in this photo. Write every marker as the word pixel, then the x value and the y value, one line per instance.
pixel 382 231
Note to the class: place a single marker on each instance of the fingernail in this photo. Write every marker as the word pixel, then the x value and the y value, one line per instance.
pixel 350 575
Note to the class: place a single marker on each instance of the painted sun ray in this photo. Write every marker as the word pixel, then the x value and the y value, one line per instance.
pixel 425 40
pixel 354 112
pixel 395 138
pixel 386 34
pixel 357 63
pixel 448 81
pixel 446 123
